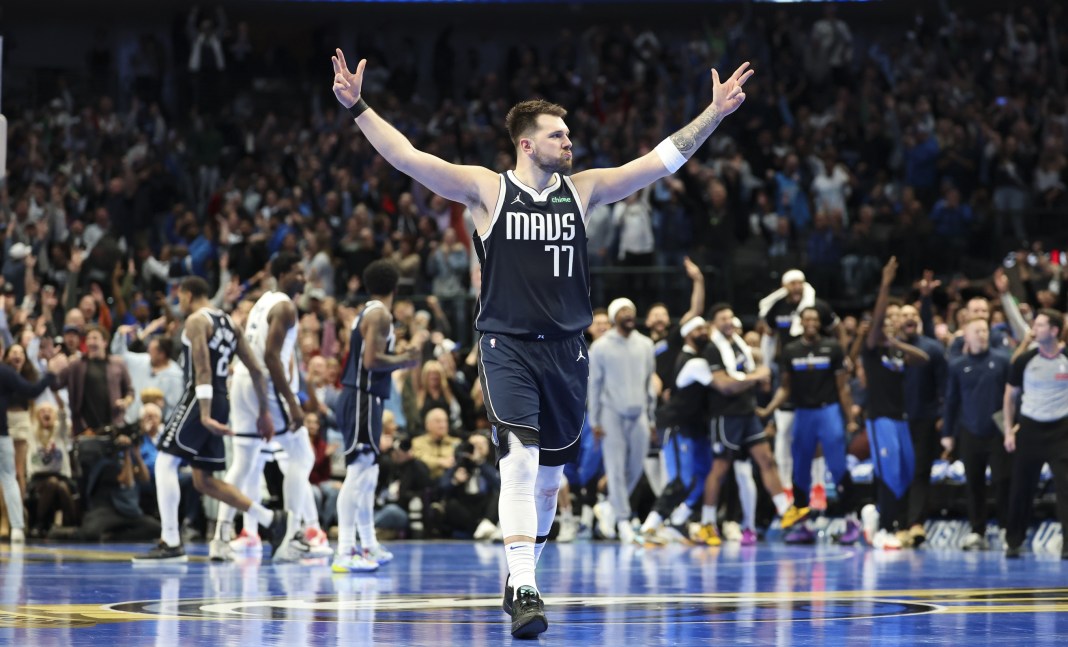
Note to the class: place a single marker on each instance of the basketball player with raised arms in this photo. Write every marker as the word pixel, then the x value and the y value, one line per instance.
pixel 534 302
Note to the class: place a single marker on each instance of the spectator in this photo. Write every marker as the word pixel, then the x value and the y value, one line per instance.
pixel 436 449
pixel 447 267
pixel 99 386
pixel 50 486
pixel 153 369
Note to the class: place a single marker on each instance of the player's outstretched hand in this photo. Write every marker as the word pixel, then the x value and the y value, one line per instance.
pixel 347 85
pixel 728 95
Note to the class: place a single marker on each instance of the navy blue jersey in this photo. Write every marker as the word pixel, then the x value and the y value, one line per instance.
pixel 535 271
pixel 222 347
pixel 356 374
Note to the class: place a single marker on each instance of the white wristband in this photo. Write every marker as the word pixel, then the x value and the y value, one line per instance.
pixel 204 391
pixel 670 155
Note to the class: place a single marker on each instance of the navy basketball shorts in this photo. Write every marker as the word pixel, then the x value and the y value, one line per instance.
pixel 733 436
pixel 185 437
pixel 537 391
pixel 359 416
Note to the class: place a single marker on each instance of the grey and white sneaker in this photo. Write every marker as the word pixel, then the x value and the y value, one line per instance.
pixel 220 551
pixel 974 541
pixel 163 554
pixel 293 550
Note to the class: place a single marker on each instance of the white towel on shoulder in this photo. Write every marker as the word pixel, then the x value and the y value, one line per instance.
pixel 730 360
pixel 808 299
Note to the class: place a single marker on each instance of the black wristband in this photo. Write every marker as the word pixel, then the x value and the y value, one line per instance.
pixel 358 108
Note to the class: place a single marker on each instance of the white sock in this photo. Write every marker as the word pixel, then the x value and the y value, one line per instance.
pixel 348 500
pixel 708 514
pixel 168 497
pixel 747 492
pixel 782 503
pixel 520 556
pixel 246 456
pixel 260 515
pixel 296 486
pixel 365 512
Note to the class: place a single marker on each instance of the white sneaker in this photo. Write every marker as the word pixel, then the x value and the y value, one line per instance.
pixel 247 542
pixel 485 530
pixel 355 563
pixel 318 542
pixel 625 532
pixel 18 536
pixel 605 519
pixel 293 550
pixel 220 551
pixel 869 522
pixel 568 530
pixel 680 515
pixel 379 555
pixel 886 540
pixel 732 531
pixel 974 541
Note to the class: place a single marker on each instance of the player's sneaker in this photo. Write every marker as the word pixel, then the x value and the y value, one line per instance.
pixel 247 542
pixel 625 532
pixel 869 522
pixel 974 541
pixel 528 614
pixel 18 536
pixel 917 535
pixel 163 554
pixel 749 537
pixel 282 531
pixel 605 520
pixel 509 593
pixel 732 532
pixel 851 534
pixel 818 497
pixel 800 534
pixel 886 540
pixel 793 516
pixel 318 542
pixel 220 551
pixel 378 555
pixel 707 535
pixel 354 563
pixel 569 527
pixel 294 549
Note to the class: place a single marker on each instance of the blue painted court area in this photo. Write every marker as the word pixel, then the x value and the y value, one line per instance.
pixel 445 593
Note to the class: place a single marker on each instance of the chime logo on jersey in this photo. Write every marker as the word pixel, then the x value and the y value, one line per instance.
pixel 539 226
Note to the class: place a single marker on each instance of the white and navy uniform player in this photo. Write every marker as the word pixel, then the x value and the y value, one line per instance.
pixel 534 303
pixel 195 428
pixel 365 384
pixel 271 333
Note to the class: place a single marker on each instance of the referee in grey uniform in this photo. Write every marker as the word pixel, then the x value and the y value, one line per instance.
pixel 1041 434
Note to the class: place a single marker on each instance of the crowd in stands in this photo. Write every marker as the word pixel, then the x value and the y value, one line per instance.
pixel 942 142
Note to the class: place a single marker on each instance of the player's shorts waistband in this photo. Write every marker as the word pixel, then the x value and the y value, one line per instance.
pixel 556 336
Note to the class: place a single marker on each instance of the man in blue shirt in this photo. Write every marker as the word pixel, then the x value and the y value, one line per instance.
pixel 974 393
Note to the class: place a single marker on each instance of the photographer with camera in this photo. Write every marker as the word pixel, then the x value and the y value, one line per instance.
pixel 114 475
pixel 469 491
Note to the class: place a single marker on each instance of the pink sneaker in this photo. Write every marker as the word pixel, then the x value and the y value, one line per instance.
pixel 318 542
pixel 749 538
pixel 246 542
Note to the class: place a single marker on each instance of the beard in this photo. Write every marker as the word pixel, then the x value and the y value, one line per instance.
pixel 700 343
pixel 552 164
pixel 627 324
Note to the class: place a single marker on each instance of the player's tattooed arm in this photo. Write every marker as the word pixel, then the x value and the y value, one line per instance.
pixel 693 134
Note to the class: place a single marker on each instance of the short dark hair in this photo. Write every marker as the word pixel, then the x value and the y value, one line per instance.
pixel 381 277
pixel 716 309
pixel 813 309
pixel 523 117
pixel 1056 319
pixel 283 263
pixel 166 345
pixel 98 329
pixel 195 286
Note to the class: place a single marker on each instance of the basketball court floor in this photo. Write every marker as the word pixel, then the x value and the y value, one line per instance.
pixel 448 593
